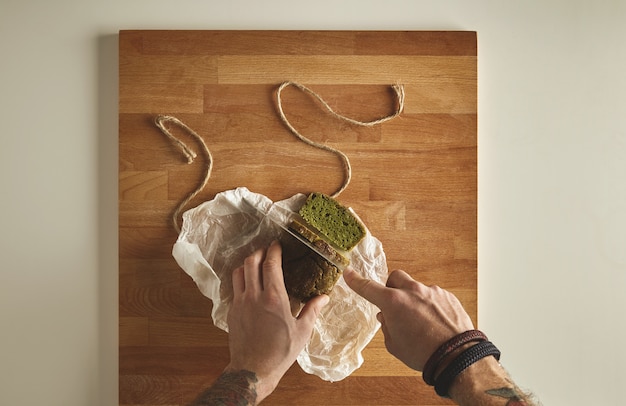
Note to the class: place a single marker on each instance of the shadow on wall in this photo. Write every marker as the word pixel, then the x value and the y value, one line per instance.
pixel 107 121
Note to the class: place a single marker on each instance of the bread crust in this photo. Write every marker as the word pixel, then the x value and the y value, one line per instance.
pixel 305 272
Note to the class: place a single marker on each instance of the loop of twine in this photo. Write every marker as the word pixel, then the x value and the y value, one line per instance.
pixel 398 89
pixel 191 155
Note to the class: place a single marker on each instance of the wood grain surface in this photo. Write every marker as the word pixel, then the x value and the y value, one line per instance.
pixel 414 182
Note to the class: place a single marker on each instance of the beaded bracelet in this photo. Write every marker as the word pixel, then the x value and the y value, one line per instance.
pixel 447 348
pixel 462 362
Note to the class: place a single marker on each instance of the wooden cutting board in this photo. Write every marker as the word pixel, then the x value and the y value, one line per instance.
pixel 414 182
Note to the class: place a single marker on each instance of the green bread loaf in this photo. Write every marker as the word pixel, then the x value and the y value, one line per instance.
pixel 333 230
pixel 306 274
pixel 310 276
pixel 332 220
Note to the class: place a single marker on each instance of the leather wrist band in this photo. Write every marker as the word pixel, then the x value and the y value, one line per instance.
pixel 447 348
pixel 468 357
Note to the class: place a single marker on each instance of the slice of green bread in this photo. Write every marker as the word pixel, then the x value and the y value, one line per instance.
pixel 333 221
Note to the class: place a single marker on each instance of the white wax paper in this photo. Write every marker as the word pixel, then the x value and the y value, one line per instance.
pixel 218 235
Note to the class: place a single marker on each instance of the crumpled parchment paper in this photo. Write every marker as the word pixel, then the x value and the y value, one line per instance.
pixel 218 235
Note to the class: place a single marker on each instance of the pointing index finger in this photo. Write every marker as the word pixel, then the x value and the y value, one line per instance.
pixel 367 288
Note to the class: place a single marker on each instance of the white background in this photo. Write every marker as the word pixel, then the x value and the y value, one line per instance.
pixel 552 195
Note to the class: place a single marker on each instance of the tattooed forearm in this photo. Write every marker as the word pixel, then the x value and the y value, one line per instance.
pixel 514 397
pixel 230 389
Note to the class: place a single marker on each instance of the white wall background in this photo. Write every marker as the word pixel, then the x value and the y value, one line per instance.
pixel 552 194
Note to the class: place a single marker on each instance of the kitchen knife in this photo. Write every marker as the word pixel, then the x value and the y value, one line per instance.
pixel 291 216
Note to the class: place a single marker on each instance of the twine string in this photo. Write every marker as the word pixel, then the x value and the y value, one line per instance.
pixel 190 155
pixel 399 91
pixel 161 120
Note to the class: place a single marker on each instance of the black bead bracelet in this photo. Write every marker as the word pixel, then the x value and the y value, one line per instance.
pixel 461 363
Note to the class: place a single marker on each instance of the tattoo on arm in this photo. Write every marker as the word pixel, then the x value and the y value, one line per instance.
pixel 230 389
pixel 515 399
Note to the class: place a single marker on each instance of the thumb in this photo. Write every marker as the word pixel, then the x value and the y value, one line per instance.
pixel 312 309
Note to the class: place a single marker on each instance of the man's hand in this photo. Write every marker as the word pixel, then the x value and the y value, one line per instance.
pixel 264 338
pixel 415 318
